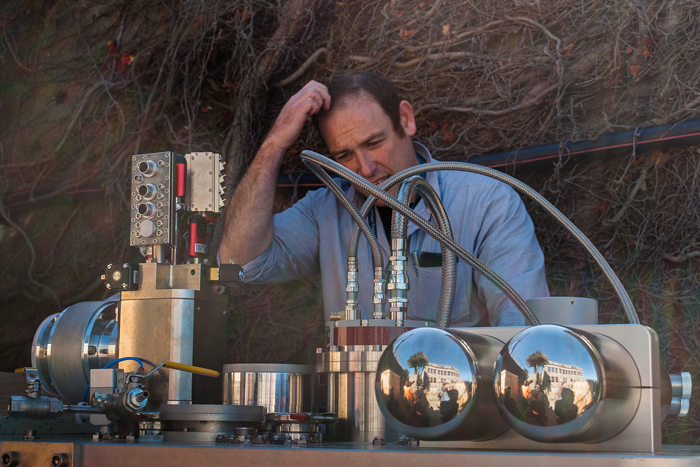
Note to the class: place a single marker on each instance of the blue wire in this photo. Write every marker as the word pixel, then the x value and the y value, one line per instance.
pixel 138 360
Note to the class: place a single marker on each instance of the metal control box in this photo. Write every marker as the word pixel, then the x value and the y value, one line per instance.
pixel 204 177
pixel 151 199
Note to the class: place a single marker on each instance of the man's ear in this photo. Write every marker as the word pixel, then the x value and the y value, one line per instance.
pixel 408 121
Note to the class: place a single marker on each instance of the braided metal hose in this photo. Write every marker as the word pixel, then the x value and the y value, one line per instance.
pixel 352 302
pixel 399 227
pixel 377 256
pixel 312 158
pixel 532 194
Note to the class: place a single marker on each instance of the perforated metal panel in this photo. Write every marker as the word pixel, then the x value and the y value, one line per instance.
pixel 151 198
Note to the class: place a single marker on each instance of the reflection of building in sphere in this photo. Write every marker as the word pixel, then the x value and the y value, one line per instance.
pixel 558 377
pixel 565 376
pixel 439 374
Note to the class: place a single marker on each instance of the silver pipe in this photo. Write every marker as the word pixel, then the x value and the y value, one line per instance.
pixel 312 158
pixel 532 194
pixel 527 191
pixel 398 285
pixel 354 213
pixel 400 227
pixel 377 257
pixel 158 253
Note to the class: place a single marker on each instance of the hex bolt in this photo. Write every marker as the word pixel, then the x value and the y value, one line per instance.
pixel 9 458
pixel 59 459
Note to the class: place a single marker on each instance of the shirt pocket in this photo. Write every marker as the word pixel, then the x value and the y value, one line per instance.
pixel 424 292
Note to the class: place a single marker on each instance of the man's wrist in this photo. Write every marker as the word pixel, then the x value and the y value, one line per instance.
pixel 270 146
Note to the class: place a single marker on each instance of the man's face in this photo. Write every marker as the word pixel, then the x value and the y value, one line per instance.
pixel 361 137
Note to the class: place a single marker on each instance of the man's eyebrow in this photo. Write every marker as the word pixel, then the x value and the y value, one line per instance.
pixel 374 136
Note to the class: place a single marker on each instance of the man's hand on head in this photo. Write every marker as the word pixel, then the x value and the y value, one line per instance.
pixel 301 105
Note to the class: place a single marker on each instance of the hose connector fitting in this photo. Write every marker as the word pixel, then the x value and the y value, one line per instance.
pixel 398 282
pixel 352 304
pixel 378 299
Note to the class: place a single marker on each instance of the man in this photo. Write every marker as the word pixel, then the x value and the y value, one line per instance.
pixel 447 406
pixel 368 129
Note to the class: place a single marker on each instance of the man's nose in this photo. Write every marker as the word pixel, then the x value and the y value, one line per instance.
pixel 366 164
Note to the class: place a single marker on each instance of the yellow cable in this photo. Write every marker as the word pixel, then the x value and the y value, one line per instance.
pixel 191 369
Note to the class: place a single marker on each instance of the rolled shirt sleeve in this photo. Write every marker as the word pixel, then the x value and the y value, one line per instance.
pixel 294 250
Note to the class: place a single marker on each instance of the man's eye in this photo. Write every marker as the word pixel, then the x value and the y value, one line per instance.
pixel 374 143
pixel 341 157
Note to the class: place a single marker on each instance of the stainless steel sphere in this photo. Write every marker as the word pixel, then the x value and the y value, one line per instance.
pixel 433 384
pixel 557 384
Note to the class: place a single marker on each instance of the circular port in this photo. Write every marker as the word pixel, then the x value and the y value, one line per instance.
pixel 147 191
pixel 9 459
pixel 148 228
pixel 148 168
pixel 59 459
pixel 147 210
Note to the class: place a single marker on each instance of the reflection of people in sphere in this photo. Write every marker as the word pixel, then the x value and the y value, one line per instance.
pixel 537 413
pixel 408 391
pixel 448 407
pixel 509 403
pixel 540 396
pixel 564 409
pixel 393 405
pixel 419 412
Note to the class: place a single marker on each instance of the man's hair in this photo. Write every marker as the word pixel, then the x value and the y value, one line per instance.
pixel 375 86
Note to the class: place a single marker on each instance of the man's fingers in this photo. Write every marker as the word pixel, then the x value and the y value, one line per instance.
pixel 323 92
pixel 319 91
pixel 316 102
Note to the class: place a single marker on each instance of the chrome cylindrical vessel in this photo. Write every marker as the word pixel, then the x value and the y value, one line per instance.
pixel 560 385
pixel 433 384
pixel 69 344
pixel 277 387
pixel 345 386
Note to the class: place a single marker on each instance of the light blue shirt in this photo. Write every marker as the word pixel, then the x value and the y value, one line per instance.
pixel 487 218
